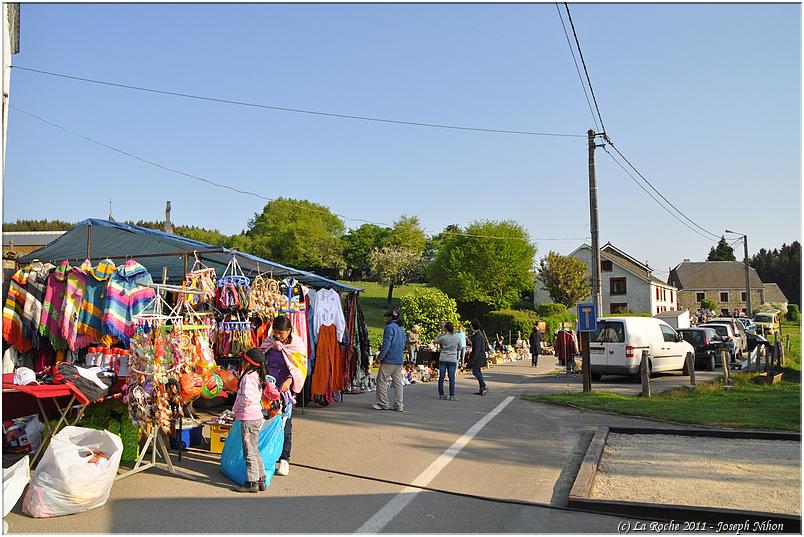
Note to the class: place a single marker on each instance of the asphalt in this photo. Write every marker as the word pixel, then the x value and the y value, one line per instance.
pixel 529 452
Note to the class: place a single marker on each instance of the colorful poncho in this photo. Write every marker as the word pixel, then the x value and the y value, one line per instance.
pixel 73 296
pixel 13 308
pixel 90 317
pixel 53 305
pixel 32 313
pixel 125 298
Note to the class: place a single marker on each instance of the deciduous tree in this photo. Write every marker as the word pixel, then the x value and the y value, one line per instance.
pixel 565 277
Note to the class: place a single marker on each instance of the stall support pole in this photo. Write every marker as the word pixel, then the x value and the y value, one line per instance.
pixel 89 239
pixel 156 443
pixel 185 264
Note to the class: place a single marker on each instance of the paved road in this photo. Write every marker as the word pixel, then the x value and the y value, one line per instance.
pixel 528 452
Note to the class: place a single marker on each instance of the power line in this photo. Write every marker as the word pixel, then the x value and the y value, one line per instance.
pixel 246 192
pixel 652 196
pixel 583 62
pixel 299 110
pixel 660 194
pixel 577 68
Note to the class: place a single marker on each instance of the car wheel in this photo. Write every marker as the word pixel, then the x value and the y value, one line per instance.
pixel 596 376
pixel 711 362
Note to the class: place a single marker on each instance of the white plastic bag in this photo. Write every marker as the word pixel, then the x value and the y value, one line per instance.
pixel 65 481
pixel 14 480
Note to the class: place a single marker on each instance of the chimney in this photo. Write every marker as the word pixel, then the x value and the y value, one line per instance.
pixel 168 224
pixel 686 260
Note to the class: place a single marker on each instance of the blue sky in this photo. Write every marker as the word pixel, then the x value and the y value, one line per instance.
pixel 704 99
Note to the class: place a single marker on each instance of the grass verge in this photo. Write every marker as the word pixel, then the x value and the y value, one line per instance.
pixel 746 406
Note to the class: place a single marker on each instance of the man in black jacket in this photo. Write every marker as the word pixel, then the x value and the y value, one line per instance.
pixel 477 360
pixel 535 340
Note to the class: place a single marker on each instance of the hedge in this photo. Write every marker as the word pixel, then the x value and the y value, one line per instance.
pixel 551 309
pixel 500 322
pixel 793 313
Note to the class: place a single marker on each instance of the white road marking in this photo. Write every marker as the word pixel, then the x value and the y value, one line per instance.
pixel 381 519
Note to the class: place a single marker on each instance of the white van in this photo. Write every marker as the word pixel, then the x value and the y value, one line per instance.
pixel 615 348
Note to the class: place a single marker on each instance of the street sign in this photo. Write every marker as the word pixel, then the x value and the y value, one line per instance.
pixel 587 317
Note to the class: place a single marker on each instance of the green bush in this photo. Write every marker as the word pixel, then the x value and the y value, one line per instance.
pixel 711 304
pixel 428 307
pixel 551 309
pixel 793 313
pixel 502 321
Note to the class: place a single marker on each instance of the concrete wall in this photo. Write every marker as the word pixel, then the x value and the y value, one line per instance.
pixel 688 298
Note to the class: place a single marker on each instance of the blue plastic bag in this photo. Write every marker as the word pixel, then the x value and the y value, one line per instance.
pixel 272 440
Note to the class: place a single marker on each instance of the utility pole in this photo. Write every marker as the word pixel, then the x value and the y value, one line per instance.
pixel 597 297
pixel 748 308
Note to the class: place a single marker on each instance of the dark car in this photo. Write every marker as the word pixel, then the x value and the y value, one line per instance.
pixel 706 343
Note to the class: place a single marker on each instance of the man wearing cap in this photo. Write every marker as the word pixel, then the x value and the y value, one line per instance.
pixel 391 359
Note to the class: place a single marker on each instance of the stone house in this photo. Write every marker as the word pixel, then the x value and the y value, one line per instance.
pixel 627 285
pixel 774 294
pixel 19 243
pixel 722 282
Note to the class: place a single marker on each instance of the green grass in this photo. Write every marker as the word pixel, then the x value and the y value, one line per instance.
pixel 374 301
pixel 746 406
pixel 792 367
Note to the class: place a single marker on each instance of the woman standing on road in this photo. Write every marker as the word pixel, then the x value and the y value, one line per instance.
pixel 477 359
pixel 448 359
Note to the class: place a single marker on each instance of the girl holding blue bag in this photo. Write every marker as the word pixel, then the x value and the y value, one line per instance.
pixel 248 409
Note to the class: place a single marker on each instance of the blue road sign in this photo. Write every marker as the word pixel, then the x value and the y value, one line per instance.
pixel 587 317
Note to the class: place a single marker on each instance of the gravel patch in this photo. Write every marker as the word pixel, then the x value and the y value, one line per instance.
pixel 753 475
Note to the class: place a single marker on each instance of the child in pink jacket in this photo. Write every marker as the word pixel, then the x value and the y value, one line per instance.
pixel 248 409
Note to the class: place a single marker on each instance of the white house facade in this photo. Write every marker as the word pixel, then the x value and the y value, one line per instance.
pixel 627 284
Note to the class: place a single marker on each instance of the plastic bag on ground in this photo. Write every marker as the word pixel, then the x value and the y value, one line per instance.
pixel 72 476
pixel 15 478
pixel 272 440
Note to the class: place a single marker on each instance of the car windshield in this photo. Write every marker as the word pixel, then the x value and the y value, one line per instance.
pixel 696 337
pixel 608 332
pixel 763 318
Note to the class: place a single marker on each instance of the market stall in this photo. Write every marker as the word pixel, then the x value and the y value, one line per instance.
pixel 90 299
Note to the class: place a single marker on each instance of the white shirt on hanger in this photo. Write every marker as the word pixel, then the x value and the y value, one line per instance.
pixel 328 311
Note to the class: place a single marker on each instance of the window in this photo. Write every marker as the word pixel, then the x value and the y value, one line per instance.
pixel 608 332
pixel 700 296
pixel 618 308
pixel 606 266
pixel 617 286
pixel 672 296
pixel 724 296
pixel 724 312
pixel 742 296
pixel 668 333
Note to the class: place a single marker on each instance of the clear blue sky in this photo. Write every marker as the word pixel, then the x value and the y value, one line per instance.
pixel 704 99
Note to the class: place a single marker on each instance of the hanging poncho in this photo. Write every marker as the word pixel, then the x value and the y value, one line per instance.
pixel 12 311
pixel 125 298
pixel 32 313
pixel 90 317
pixel 53 305
pixel 76 285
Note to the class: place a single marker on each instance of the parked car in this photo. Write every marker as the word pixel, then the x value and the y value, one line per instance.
pixel 726 332
pixel 615 348
pixel 767 322
pixel 739 330
pixel 748 324
pixel 706 343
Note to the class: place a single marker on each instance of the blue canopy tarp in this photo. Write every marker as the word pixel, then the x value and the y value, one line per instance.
pixel 155 250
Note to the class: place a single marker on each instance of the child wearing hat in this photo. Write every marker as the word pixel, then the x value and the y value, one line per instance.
pixel 248 409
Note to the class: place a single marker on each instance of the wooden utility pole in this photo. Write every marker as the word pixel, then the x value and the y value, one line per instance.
pixel 597 299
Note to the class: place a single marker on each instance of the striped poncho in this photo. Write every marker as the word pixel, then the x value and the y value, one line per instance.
pixel 125 298
pixel 90 317
pixel 32 312
pixel 53 305
pixel 73 296
pixel 13 308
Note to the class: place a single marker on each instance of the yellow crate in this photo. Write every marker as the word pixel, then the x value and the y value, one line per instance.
pixel 217 436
